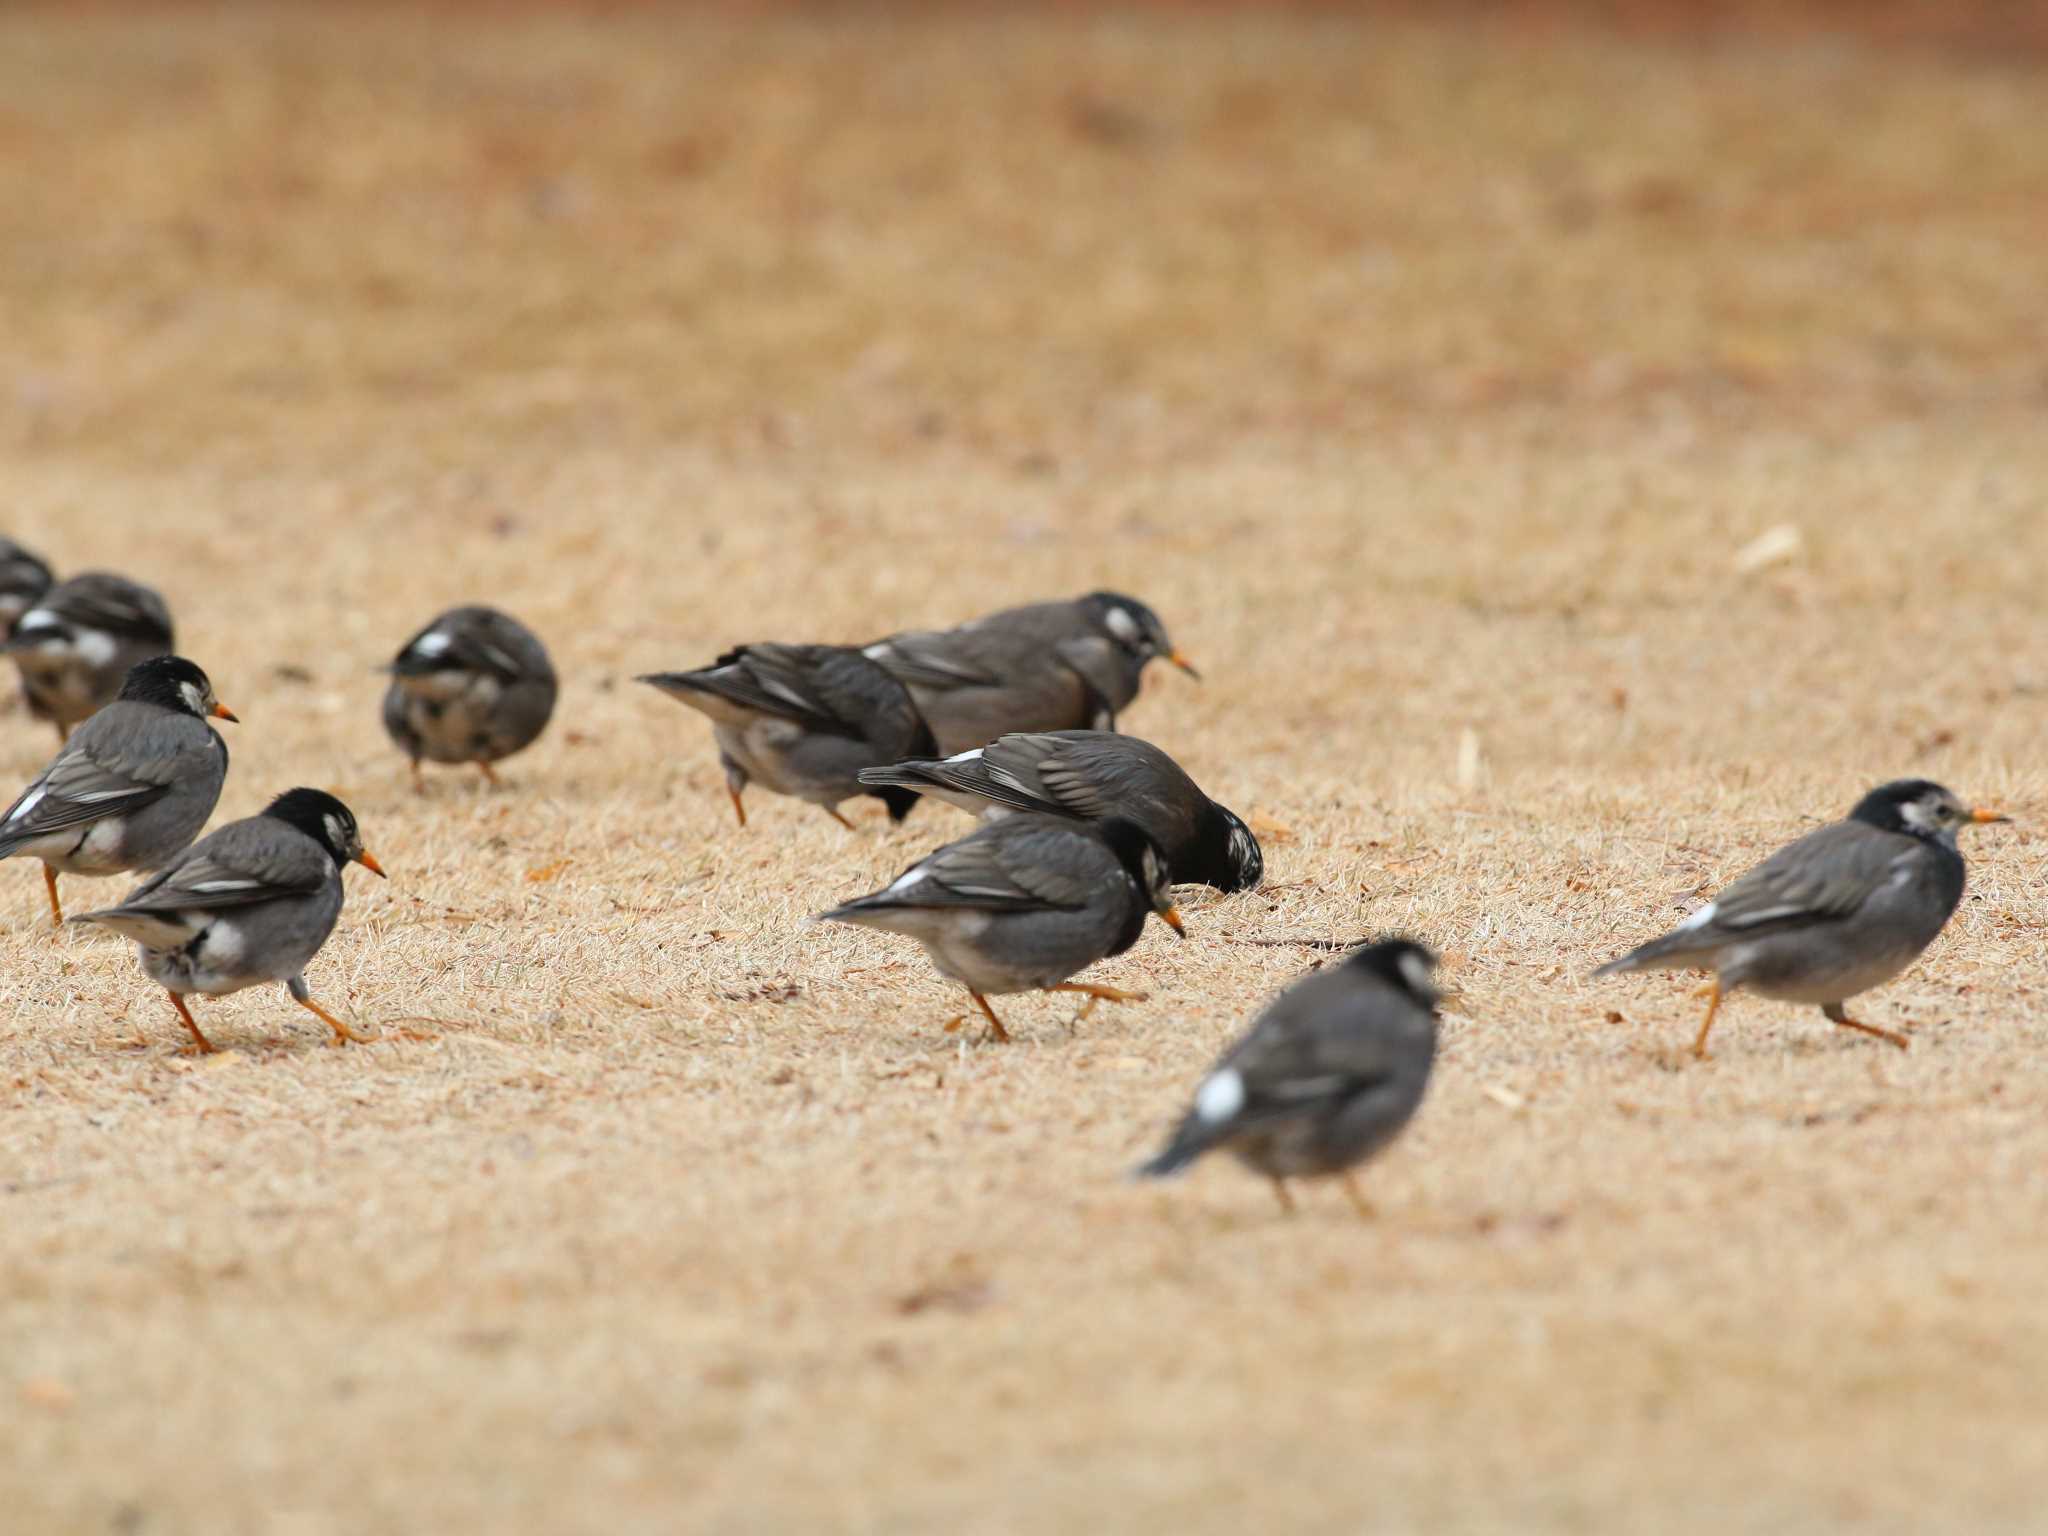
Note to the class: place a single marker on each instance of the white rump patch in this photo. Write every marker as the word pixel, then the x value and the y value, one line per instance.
pixel 1221 1097
pixel 1416 969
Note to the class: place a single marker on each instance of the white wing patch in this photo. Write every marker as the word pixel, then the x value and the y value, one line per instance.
pixel 971 755
pixel 908 878
pixel 1699 919
pixel 222 887
pixel 1221 1096
pixel 29 802
pixel 433 643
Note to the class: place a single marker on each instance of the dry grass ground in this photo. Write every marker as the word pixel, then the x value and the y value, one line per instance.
pixel 1427 378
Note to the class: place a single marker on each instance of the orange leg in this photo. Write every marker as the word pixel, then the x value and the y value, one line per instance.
pixel 1286 1200
pixel 342 1033
pixel 205 1045
pixel 833 812
pixel 996 1032
pixel 1699 1044
pixel 56 906
pixel 1097 994
pixel 1843 1021
pixel 739 808
pixel 1357 1197
pixel 419 780
pixel 490 775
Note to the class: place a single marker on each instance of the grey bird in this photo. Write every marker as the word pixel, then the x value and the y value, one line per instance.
pixel 1021 904
pixel 1325 1078
pixel 1090 775
pixel 24 577
pixel 249 903
pixel 76 644
pixel 1043 667
pixel 803 720
pixel 132 786
pixel 474 686
pixel 1842 910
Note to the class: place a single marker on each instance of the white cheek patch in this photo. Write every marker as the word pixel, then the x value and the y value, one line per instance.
pixel 1221 1097
pixel 1121 624
pixel 337 834
pixel 1416 969
pixel 193 698
pixel 1914 814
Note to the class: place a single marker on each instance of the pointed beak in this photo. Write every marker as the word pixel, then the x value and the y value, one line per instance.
pixel 1179 659
pixel 1981 814
pixel 222 712
pixel 1171 917
pixel 364 858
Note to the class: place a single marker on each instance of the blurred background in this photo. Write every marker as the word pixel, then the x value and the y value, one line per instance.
pixel 1582 444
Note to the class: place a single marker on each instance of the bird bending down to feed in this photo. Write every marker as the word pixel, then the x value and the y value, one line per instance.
pixel 474 686
pixel 1091 775
pixel 1325 1078
pixel 803 720
pixel 77 644
pixel 249 903
pixel 1844 909
pixel 1044 667
pixel 1021 904
pixel 131 787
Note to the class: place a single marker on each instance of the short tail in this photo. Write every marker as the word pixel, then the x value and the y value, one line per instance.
pixel 1189 1142
pixel 1668 953
pixel 909 774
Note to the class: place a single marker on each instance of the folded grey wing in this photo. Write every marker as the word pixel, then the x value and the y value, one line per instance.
pixel 241 865
pixel 114 607
pixel 1096 661
pixel 933 658
pixel 447 646
pixel 1827 874
pixel 80 788
pixel 1313 1045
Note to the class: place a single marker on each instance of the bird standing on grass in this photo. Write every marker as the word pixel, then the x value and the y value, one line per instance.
pixel 131 787
pixel 1842 910
pixel 1044 667
pixel 1089 775
pixel 23 578
pixel 249 903
pixel 803 720
pixel 1328 1075
pixel 474 686
pixel 75 646
pixel 1021 904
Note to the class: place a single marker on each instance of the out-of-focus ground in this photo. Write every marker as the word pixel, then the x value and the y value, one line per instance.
pixel 1430 376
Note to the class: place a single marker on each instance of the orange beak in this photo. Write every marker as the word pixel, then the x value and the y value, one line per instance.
pixel 371 864
pixel 1171 917
pixel 1981 814
pixel 222 712
pixel 1179 659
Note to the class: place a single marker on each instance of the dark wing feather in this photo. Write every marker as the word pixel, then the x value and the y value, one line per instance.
pixel 1010 865
pixel 244 863
pixel 933 658
pixel 74 791
pixel 112 605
